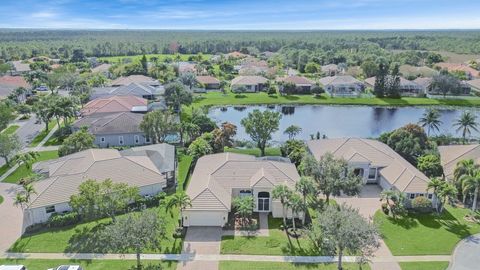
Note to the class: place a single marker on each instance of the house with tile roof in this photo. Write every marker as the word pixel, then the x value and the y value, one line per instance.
pixel 342 86
pixel 470 72
pixel 115 104
pixel 407 88
pixel 9 83
pixel 208 83
pixel 451 155
pixel 248 83
pixel 376 163
pixel 302 84
pixel 141 79
pixel 20 67
pixel 218 178
pixel 143 90
pixel 142 168
pixel 475 85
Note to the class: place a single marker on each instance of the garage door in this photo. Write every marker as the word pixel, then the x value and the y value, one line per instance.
pixel 201 218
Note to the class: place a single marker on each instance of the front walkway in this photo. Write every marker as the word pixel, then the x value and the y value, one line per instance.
pixel 262 230
pixel 467 254
pixel 11 221
pixel 201 241
pixel 368 202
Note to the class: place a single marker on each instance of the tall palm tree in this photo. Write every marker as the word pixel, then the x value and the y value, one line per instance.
pixel 28 191
pixel 436 184
pixel 464 167
pixel 446 193
pixel 295 203
pixel 305 187
pixel 27 158
pixel 466 123
pixel 431 120
pixel 180 200
pixel 472 182
pixel 20 200
pixel 282 193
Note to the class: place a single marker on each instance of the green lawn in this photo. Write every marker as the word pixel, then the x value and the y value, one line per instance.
pixel 425 234
pixel 275 244
pixel 22 171
pixel 161 57
pixel 218 98
pixel 42 264
pixel 10 129
pixel 40 136
pixel 424 265
pixel 184 163
pixel 241 265
pixel 269 151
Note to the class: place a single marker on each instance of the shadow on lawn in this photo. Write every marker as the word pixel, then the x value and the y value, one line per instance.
pixel 87 240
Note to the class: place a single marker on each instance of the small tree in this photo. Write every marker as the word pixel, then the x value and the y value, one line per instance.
pixel 305 187
pixel 181 201
pixel 292 131
pixel 223 136
pixel 78 141
pixel 27 159
pixel 430 165
pixel 282 193
pixel 244 208
pixel 260 126
pixel 395 201
pixel 9 146
pixel 343 229
pixel 200 146
pixel 135 231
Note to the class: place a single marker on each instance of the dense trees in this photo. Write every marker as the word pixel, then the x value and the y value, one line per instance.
pixel 78 141
pixel 177 95
pixel 9 146
pixel 157 125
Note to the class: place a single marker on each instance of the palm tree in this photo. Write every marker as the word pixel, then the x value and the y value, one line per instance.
pixel 295 203
pixel 464 167
pixel 27 159
pixel 472 182
pixel 282 193
pixel 20 200
pixel 431 120
pixel 180 200
pixel 387 196
pixel 466 123
pixel 446 193
pixel 305 187
pixel 436 184
pixel 28 191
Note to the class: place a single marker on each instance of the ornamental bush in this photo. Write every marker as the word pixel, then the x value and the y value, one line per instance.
pixel 422 204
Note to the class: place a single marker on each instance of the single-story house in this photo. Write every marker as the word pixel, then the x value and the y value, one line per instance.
pixel 114 129
pixel 376 163
pixel 343 86
pixel 186 67
pixel 407 87
pixel 450 155
pixel 208 83
pixel 330 70
pixel 475 85
pixel 20 67
pixel 424 82
pixel 115 104
pixel 302 84
pixel 219 178
pixel 139 79
pixel 248 83
pixel 452 67
pixel 9 83
pixel 412 71
pixel 143 90
pixel 103 69
pixel 464 90
pixel 64 176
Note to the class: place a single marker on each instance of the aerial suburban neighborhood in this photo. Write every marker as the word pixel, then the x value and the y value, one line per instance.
pixel 231 139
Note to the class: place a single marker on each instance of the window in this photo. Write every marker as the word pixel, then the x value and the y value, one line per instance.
pixel 147 139
pixel 137 139
pixel 430 196
pixel 358 172
pixel 120 140
pixel 50 209
pixel 245 192
pixel 412 196
pixel 421 195
pixel 102 139
pixel 372 173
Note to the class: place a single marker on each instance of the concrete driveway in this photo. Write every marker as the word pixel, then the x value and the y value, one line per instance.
pixel 11 221
pixel 466 254
pixel 201 240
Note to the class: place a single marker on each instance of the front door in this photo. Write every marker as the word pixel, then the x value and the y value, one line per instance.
pixel 263 202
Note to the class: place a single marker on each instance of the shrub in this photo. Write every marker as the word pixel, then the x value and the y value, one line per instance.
pixel 61 220
pixel 385 209
pixel 422 204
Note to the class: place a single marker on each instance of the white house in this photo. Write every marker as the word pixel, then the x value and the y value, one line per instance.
pixel 218 178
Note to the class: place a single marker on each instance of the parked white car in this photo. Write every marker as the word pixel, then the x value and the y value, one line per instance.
pixel 67 267
pixel 13 267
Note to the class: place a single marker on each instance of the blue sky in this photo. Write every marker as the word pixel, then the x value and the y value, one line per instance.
pixel 246 14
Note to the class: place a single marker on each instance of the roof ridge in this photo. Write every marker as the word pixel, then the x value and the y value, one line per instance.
pixel 38 195
pixel 273 164
pixel 464 153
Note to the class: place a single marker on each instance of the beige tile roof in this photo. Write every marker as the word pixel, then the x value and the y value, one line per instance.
pixel 101 68
pixel 459 67
pixel 111 123
pixel 114 104
pixel 475 84
pixel 248 80
pixel 132 79
pixel 396 170
pixel 216 175
pixel 297 80
pixel 208 80
pixel 339 80
pixel 67 173
pixel 450 155
pixel 404 83
pixel 21 67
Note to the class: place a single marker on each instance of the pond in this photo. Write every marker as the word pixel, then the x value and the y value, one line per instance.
pixel 340 121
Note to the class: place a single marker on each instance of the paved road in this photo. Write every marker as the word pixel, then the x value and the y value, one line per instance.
pixel 467 254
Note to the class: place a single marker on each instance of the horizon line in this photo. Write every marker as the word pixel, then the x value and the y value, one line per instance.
pixel 233 30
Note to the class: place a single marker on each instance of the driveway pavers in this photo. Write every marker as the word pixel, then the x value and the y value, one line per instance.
pixel 11 221
pixel 201 241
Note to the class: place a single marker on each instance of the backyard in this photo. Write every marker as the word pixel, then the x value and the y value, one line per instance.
pixel 22 171
pixel 241 265
pixel 42 264
pixel 425 234
pixel 276 243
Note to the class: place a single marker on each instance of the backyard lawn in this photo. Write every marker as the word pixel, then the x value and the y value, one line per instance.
pixel 275 244
pixel 424 265
pixel 41 264
pixel 22 171
pixel 269 151
pixel 218 98
pixel 243 265
pixel 184 163
pixel 425 234
pixel 10 129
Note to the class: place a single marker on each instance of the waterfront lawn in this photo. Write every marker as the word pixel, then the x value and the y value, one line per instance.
pixel 10 130
pixel 42 264
pixel 245 265
pixel 218 98
pixel 423 265
pixel 40 136
pixel 275 244
pixel 22 171
pixel 425 234
pixel 269 151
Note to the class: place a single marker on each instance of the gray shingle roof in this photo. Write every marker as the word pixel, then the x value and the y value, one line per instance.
pixel 111 123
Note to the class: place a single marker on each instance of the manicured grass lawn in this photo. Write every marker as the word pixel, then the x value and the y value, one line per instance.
pixel 425 234
pixel 161 57
pixel 42 134
pixel 41 264
pixel 218 98
pixel 184 163
pixel 269 151
pixel 275 244
pixel 10 129
pixel 22 171
pixel 241 265
pixel 424 265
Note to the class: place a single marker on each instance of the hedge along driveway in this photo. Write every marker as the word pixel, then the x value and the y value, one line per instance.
pixel 425 234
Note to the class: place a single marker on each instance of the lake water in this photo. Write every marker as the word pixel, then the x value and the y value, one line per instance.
pixel 339 121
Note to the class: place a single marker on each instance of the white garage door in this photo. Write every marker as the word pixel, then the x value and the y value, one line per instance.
pixel 203 218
